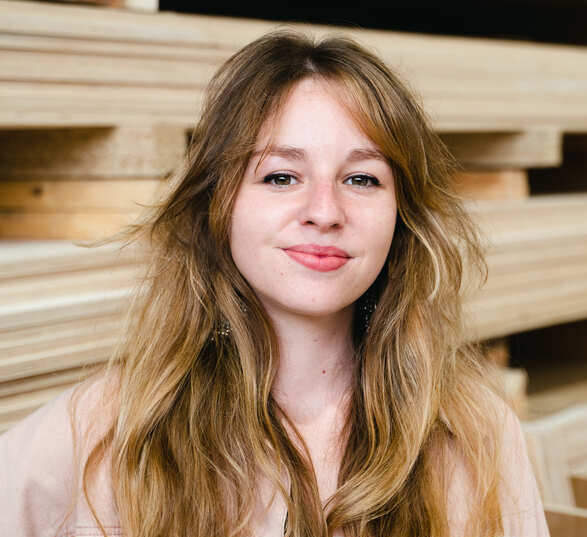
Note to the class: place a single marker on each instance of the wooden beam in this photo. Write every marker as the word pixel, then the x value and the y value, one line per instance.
pixel 544 216
pixel 76 226
pixel 151 6
pixel 466 85
pixel 537 257
pixel 34 106
pixel 79 196
pixel 61 316
pixel 565 521
pixel 19 259
pixel 54 286
pixel 27 339
pixel 494 185
pixel 149 151
pixel 502 150
pixel 88 352
pixel 579 484
pixel 55 379
pixel 79 306
pixel 555 399
pixel 57 67
pixel 97 47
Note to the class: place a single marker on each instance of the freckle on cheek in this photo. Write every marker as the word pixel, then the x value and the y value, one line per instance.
pixel 323 371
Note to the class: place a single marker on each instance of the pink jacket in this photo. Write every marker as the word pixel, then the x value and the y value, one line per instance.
pixel 38 477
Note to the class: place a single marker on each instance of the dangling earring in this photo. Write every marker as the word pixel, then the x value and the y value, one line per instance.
pixel 366 308
pixel 224 329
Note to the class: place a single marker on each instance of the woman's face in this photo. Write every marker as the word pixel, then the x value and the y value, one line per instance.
pixel 313 221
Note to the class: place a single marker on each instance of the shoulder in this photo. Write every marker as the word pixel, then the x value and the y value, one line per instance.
pixel 521 506
pixel 41 457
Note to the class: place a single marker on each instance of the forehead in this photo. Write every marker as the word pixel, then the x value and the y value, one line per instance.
pixel 313 111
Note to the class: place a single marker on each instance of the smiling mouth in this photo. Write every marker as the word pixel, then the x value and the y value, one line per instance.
pixel 319 258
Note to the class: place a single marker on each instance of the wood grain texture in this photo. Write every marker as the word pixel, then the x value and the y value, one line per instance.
pixel 67 308
pixel 79 196
pixel 493 185
pixel 579 484
pixel 74 226
pixel 126 152
pixel 56 379
pixel 564 521
pixel 537 259
pixel 505 150
pixel 556 398
pixel 62 313
pixel 466 85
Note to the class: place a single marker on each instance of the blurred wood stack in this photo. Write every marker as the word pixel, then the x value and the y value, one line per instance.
pixel 60 308
pixel 99 103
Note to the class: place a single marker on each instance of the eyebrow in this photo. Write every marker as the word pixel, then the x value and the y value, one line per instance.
pixel 297 153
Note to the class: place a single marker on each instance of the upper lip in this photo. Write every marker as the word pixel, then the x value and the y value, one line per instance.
pixel 316 249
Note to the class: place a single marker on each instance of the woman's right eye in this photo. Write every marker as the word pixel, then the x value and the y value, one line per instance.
pixel 280 179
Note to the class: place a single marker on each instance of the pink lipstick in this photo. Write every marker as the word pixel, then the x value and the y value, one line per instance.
pixel 320 258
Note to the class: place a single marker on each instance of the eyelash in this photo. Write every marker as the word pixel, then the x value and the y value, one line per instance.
pixel 272 176
pixel 374 181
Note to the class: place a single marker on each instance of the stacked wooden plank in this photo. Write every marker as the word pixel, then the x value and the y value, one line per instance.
pixel 61 308
pixel 82 183
pixel 537 256
pixel 101 67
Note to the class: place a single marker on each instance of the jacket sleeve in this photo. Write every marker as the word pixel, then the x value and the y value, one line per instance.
pixel 36 471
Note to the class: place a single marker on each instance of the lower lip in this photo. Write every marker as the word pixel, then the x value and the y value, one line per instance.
pixel 321 263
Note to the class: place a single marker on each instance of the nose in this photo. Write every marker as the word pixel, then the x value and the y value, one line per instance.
pixel 323 207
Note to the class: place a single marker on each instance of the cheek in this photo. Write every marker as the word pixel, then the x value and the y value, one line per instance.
pixel 380 231
pixel 241 237
pixel 250 232
pixel 238 230
pixel 390 227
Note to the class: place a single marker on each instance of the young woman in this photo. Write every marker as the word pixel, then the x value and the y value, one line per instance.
pixel 293 362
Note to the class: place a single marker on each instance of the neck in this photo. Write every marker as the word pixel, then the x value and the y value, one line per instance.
pixel 316 364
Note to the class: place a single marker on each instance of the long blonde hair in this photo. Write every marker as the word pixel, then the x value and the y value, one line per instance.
pixel 196 425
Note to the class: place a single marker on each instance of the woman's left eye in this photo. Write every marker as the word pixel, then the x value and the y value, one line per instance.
pixel 361 180
pixel 280 179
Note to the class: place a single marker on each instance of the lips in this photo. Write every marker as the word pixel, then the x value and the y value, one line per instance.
pixel 319 258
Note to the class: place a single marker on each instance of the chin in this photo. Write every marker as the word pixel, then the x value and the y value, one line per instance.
pixel 312 309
